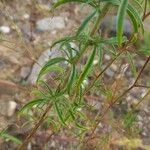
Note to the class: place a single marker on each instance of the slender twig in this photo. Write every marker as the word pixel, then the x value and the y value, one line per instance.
pixel 33 131
pixel 142 99
pixel 94 30
pixel 101 15
pixel 144 86
pixel 141 71
pixel 99 75
pixel 145 6
pixel 117 99
pixel 146 15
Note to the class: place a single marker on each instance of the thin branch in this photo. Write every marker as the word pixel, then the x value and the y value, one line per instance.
pixel 143 86
pixel 145 6
pixel 144 66
pixel 99 75
pixel 94 29
pixel 101 15
pixel 146 15
pixel 117 99
pixel 33 131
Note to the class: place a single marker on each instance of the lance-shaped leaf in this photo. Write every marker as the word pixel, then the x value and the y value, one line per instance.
pixel 85 22
pixel 31 104
pixel 131 61
pixel 120 20
pixel 133 20
pixel 59 112
pixel 49 64
pixel 7 136
pixel 86 68
pixel 62 40
pixel 69 83
pixel 137 16
pixel 114 2
pixel 62 2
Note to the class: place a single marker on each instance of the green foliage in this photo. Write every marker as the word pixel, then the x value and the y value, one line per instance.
pixel 7 136
pixel 69 109
pixel 145 46
pixel 120 20
pixel 129 119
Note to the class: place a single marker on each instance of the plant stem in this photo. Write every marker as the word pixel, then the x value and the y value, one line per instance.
pixel 33 131
pixel 118 98
pixel 94 29
pixel 99 75
pixel 145 6
pixel 139 75
pixel 144 86
pixel 100 17
pixel 146 15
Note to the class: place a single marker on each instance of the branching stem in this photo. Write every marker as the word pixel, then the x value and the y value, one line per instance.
pixel 33 131
pixel 117 99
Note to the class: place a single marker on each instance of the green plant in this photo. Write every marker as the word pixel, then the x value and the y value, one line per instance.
pixel 65 99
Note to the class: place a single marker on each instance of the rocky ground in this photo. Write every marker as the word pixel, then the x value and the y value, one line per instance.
pixel 26 31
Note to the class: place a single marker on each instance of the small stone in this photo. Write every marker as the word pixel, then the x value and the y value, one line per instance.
pixel 114 67
pixel 11 108
pixel 50 24
pixel 109 72
pixel 7 108
pixel 139 118
pixel 5 29
pixel 25 71
pixel 144 134
pixel 107 57
pixel 95 62
pixel 29 146
pixel 26 16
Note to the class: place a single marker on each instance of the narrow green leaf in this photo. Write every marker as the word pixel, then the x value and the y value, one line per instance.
pixel 70 82
pixel 65 39
pixel 31 104
pixel 48 69
pixel 10 137
pixel 120 20
pixel 115 2
pixel 133 68
pixel 60 115
pixel 47 86
pixel 130 119
pixel 86 68
pixel 62 2
pixel 137 5
pixel 113 40
pixel 85 22
pixel 71 78
pixel 81 127
pixel 133 20
pixel 137 16
pixel 49 64
pixel 100 54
